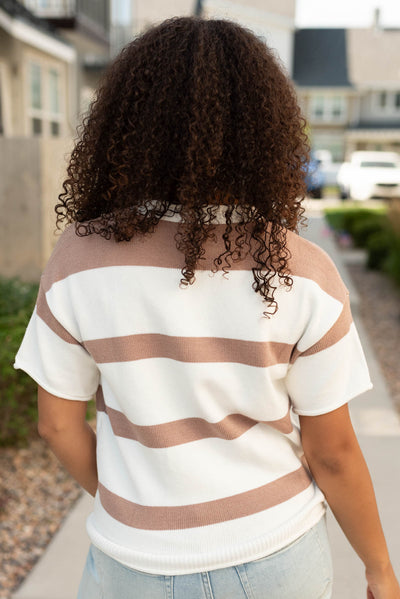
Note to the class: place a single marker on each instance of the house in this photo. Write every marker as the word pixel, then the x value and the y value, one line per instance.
pixel 348 84
pixel 37 72
pixel 273 20
pixel 86 25
pixel 374 67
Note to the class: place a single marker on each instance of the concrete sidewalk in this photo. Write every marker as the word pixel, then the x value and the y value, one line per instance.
pixel 58 572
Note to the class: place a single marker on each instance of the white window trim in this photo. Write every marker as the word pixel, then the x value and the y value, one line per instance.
pixel 45 114
pixel 328 101
pixel 390 109
pixel 5 100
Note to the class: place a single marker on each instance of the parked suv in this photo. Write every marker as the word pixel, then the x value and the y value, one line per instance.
pixel 370 174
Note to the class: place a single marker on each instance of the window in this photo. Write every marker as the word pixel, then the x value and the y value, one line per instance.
pixel 36 86
pixel 337 107
pixel 44 108
pixel 388 102
pixel 36 126
pixel 329 108
pixel 35 102
pixel 318 111
pixel 54 102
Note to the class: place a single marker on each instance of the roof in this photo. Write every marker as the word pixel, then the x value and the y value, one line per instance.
pixel 320 58
pixel 395 124
pixel 374 56
pixel 18 11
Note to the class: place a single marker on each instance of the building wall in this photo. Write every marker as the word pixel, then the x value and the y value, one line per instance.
pixel 15 57
pixel 147 12
pixel 11 96
pixel 286 8
pixel 273 21
pixel 372 110
pixel 31 175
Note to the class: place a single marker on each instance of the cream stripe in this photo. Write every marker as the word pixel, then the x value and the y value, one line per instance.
pixel 335 334
pixel 185 430
pixel 206 513
pixel 44 312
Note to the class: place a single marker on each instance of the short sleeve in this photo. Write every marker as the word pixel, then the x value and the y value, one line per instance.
pixel 53 355
pixel 332 370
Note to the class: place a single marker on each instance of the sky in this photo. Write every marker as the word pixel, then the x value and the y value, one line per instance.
pixel 346 13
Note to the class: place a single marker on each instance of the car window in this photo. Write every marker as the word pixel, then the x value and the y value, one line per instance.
pixel 378 164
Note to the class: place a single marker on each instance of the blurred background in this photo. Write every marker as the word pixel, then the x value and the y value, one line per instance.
pixel 344 59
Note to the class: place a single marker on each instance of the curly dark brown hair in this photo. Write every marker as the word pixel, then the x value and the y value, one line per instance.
pixel 191 114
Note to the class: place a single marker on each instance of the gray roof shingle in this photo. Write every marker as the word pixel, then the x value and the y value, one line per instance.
pixel 320 58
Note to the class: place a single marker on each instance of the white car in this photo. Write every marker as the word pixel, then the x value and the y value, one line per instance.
pixel 370 174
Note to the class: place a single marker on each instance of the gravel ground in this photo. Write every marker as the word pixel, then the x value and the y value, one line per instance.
pixel 36 493
pixel 380 311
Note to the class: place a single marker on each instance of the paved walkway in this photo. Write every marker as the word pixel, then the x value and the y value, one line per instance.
pixel 57 574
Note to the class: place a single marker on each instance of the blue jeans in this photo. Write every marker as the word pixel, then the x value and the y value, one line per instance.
pixel 301 570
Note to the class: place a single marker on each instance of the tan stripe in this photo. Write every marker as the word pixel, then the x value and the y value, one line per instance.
pixel 75 254
pixel 208 512
pixel 44 312
pixel 338 330
pixel 188 349
pixel 186 430
pixel 310 262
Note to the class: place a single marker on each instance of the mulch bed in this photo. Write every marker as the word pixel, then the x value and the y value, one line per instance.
pixel 36 493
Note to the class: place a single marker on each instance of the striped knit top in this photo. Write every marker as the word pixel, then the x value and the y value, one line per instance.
pixel 199 454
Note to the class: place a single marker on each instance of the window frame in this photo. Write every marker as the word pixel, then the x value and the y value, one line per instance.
pixel 45 114
pixel 328 107
pixel 391 107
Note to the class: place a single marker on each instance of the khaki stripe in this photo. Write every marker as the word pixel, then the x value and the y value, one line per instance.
pixel 338 330
pixel 188 349
pixel 75 254
pixel 44 312
pixel 186 430
pixel 310 262
pixel 206 513
pixel 158 250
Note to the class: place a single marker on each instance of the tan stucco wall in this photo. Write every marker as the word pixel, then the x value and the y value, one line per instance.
pixel 10 55
pixel 284 8
pixel 15 55
pixel 31 176
pixel 147 12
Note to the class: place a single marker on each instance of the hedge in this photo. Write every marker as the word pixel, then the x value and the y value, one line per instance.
pixel 375 229
pixel 18 413
pixel 18 392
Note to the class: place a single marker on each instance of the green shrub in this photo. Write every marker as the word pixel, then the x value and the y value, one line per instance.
pixel 358 222
pixel 392 262
pixel 18 413
pixel 366 226
pixel 376 229
pixel 379 247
